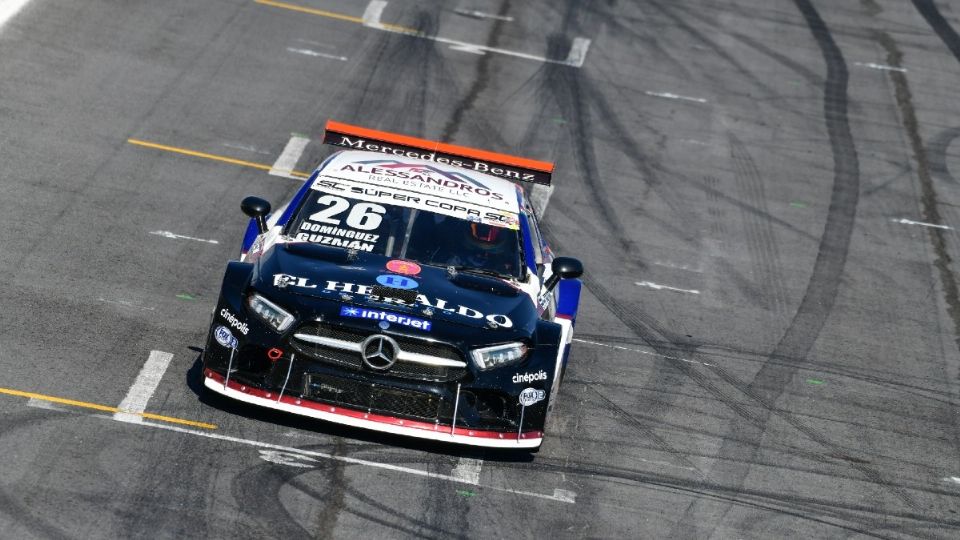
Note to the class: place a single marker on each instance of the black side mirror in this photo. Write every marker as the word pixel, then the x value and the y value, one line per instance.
pixel 258 209
pixel 563 268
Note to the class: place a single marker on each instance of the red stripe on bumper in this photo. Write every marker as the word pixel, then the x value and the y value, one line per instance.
pixel 378 418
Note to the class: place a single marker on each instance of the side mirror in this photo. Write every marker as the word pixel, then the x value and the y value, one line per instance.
pixel 258 209
pixel 563 268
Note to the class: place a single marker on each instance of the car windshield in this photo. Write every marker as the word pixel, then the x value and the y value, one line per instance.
pixel 407 233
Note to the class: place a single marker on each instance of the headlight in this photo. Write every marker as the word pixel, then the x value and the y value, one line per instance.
pixel 499 355
pixel 270 313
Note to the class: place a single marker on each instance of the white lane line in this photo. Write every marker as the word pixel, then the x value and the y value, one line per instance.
pixel 43 404
pixel 143 388
pixel 668 95
pixel 882 67
pixel 639 351
pixel 578 52
pixel 371 15
pixel 168 234
pixel 679 266
pixel 657 287
pixel 296 434
pixel 481 15
pixel 374 11
pixel 540 198
pixel 911 222
pixel 467 48
pixel 286 452
pixel 9 8
pixel 462 45
pixel 246 147
pixel 317 54
pixel 126 303
pixel 287 458
pixel 468 470
pixel 290 155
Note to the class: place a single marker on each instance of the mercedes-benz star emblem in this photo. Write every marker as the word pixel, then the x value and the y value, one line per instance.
pixel 379 352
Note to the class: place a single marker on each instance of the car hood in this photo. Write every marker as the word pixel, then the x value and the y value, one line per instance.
pixel 432 293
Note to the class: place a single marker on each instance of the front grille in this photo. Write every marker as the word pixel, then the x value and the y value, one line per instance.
pixel 352 361
pixel 379 399
pixel 329 355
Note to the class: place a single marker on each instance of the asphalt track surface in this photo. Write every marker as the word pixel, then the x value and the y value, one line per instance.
pixel 765 194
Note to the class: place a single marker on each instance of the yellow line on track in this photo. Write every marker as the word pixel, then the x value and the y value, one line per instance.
pixel 332 15
pixel 311 11
pixel 204 155
pixel 103 408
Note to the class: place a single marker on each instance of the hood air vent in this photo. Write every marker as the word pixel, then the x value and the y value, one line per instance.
pixel 409 296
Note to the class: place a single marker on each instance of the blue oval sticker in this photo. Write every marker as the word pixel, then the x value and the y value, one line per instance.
pixel 397 282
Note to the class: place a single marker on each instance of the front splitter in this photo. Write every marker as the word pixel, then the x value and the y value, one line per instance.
pixel 365 420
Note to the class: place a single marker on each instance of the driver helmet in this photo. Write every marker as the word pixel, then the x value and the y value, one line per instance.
pixel 486 237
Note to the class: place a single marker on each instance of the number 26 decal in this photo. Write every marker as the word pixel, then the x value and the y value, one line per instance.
pixel 363 216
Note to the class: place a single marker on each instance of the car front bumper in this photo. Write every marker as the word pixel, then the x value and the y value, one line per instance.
pixel 436 431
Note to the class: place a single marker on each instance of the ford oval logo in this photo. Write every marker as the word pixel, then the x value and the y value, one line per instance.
pixel 397 282
pixel 225 337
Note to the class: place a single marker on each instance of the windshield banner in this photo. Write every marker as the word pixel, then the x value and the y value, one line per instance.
pixel 400 197
pixel 492 163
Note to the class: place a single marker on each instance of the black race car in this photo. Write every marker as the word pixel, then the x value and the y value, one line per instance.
pixel 405 288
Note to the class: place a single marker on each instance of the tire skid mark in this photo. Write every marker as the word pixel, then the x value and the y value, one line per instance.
pixel 480 81
pixel 392 519
pixel 647 432
pixel 327 519
pixel 574 96
pixel 938 147
pixel 708 188
pixel 818 300
pixel 369 94
pixel 811 77
pixel 928 9
pixel 264 481
pixel 667 9
pixel 761 241
pixel 572 89
pixel 716 48
pixel 713 352
pixel 758 420
pixel 12 501
pixel 145 500
pixel 937 154
pixel 260 485
pixel 384 516
pixel 402 70
pixel 867 515
pixel 566 91
pixel 670 376
pixel 667 375
pixel 835 460
pixel 442 514
pixel 929 206
pixel 82 186
pixel 643 327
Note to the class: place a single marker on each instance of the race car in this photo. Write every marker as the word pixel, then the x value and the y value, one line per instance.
pixel 405 288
